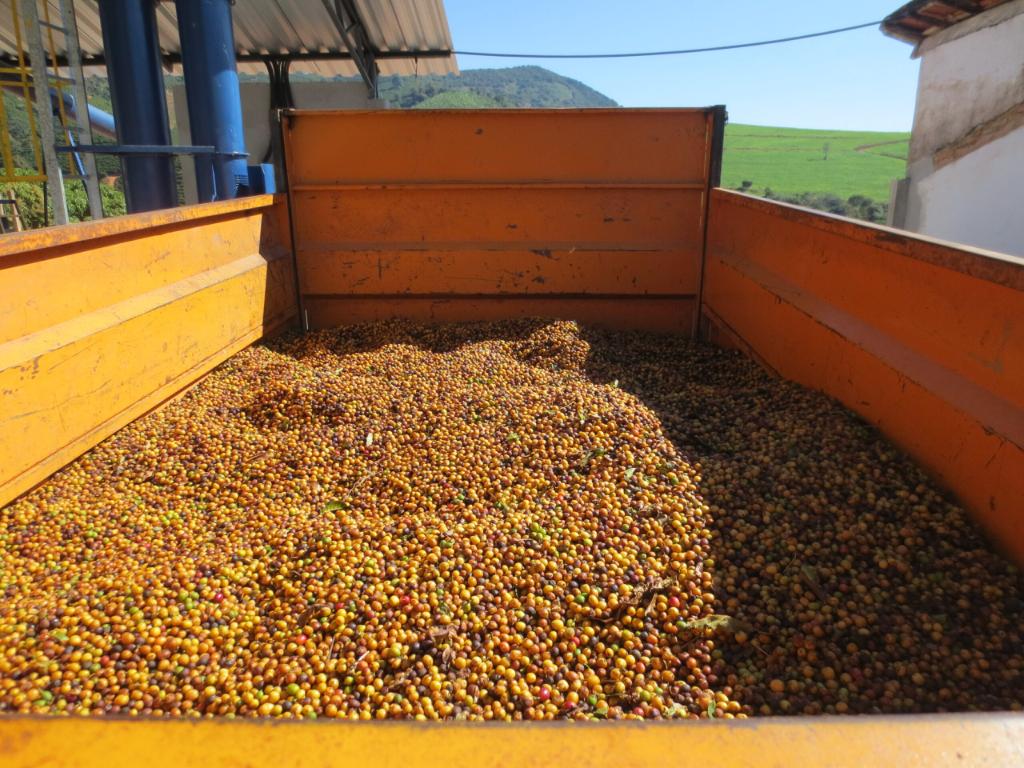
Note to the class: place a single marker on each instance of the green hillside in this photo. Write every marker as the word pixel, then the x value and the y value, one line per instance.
pixel 793 161
pixel 527 87
pixel 458 100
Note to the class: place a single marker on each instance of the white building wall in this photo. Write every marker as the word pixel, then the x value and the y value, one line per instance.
pixel 978 199
pixel 971 80
pixel 256 116
pixel 968 81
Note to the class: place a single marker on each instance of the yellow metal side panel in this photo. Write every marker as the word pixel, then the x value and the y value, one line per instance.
pixel 81 280
pixel 104 345
pixel 967 741
pixel 81 232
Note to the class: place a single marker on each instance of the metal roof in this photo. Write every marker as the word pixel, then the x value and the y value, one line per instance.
pixel 407 37
pixel 920 18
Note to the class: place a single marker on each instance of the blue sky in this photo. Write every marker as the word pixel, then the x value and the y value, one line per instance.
pixel 858 80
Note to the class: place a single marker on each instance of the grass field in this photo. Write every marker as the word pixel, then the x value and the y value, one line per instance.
pixel 792 161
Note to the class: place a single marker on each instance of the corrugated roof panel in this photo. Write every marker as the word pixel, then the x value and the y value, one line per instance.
pixel 280 27
pixel 396 25
pixel 303 22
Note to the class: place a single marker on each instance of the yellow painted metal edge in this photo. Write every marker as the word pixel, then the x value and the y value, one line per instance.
pixel 520 112
pixel 905 741
pixel 57 237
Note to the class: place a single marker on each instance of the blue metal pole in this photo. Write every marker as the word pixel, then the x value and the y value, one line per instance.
pixel 102 122
pixel 214 97
pixel 132 51
pixel 79 165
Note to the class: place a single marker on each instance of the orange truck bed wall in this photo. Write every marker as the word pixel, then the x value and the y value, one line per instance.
pixel 101 321
pixel 922 338
pixel 596 215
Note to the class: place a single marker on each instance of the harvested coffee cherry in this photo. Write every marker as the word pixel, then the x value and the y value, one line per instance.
pixel 518 520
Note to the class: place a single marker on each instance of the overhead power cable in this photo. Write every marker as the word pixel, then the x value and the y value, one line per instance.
pixel 680 52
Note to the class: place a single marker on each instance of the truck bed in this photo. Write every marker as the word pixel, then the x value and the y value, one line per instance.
pixel 612 218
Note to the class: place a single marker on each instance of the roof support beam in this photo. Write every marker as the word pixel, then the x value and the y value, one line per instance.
pixel 258 58
pixel 131 40
pixel 344 56
pixel 353 32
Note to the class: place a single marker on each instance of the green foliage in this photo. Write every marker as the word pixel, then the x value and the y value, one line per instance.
pixel 528 87
pixel 18 128
pixel 855 206
pixel 793 162
pixel 113 201
pixel 458 100
pixel 30 202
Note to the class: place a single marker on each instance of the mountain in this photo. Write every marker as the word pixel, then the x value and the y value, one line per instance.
pixel 526 87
